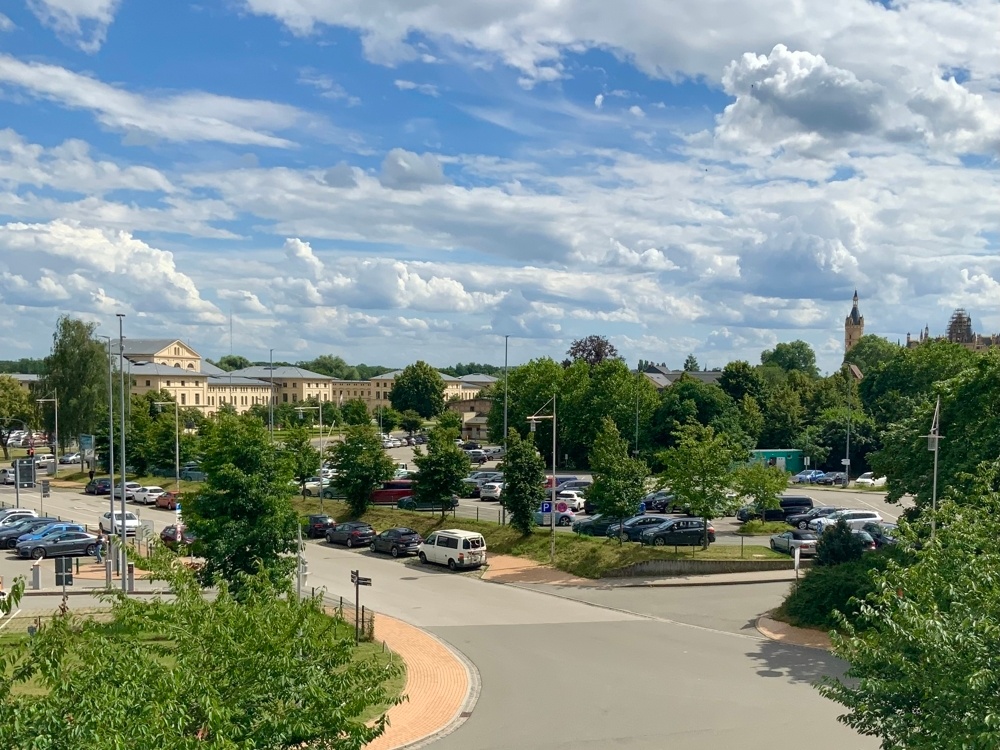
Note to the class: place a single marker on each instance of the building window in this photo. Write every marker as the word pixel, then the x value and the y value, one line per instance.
pixel 177 365
pixel 326 396
pixel 378 395
pixel 184 399
pixel 197 398
pixel 284 398
pixel 177 351
pixel 134 382
pixel 295 397
pixel 168 384
pixel 147 384
pixel 190 365
pixel 182 384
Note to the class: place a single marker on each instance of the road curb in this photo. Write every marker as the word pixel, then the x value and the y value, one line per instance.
pixel 785 634
pixel 686 584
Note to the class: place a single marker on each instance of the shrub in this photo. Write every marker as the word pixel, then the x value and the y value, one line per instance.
pixel 762 528
pixel 838 545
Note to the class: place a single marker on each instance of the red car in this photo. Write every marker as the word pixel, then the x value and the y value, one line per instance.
pixel 168 500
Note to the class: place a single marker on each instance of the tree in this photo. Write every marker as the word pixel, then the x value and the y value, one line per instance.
pixel 593 350
pixel 441 470
pixel 524 482
pixel 419 387
pixel 335 367
pixel 16 410
pixel 410 421
pixel 839 544
pixel 790 357
pixel 697 471
pixel 923 648
pixel 783 418
pixel 230 362
pixel 362 466
pixel 355 412
pixel 741 379
pixel 760 484
pixel 529 386
pixel 76 372
pixel 242 514
pixel 870 353
pixel 303 458
pixel 388 417
pixel 331 414
pixel 691 364
pixel 451 422
pixel 619 479
pixel 264 670
pixel 692 400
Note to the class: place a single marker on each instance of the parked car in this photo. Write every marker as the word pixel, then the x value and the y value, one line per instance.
pixel 868 479
pixel 884 534
pixel 471 488
pixel 58 527
pixel 573 498
pixel 412 503
pixel 801 520
pixel 170 537
pixel 397 541
pixel 351 534
pixel 576 484
pixel 834 478
pixel 792 504
pixel 192 472
pixel 109 526
pixel 100 486
pixel 10 511
pixel 8 476
pixel 661 501
pixel 20 514
pixel 147 495
pixel 855 519
pixel 809 476
pixel 168 500
pixel 314 486
pixel 564 518
pixel 10 534
pixel 866 539
pixel 787 541
pixel 491 491
pixel 69 458
pixel 631 529
pixel 596 525
pixel 677 532
pixel 318 524
pixel 752 513
pixel 455 548
pixel 129 490
pixel 65 544
pixel 332 491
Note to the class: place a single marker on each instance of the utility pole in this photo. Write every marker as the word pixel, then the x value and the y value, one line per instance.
pixel 270 403
pixel 122 531
pixel 111 438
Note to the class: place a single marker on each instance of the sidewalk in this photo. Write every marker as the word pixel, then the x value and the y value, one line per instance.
pixel 782 632
pixel 440 692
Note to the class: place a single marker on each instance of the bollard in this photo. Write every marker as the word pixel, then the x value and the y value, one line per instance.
pixel 477 512
pixel 131 578
pixel 36 577
pixel 107 572
pixel 77 560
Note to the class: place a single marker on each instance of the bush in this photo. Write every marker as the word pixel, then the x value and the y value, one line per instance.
pixel 763 528
pixel 838 545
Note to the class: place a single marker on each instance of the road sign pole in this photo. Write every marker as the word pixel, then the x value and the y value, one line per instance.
pixel 17 483
pixel 357 604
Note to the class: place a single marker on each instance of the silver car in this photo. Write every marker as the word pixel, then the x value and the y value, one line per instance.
pixel 787 541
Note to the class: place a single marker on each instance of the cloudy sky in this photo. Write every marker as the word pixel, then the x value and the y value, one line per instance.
pixel 398 179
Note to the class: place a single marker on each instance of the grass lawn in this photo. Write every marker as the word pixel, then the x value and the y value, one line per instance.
pixel 588 557
pixel 167 483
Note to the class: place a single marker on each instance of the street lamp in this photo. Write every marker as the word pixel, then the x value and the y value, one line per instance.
pixel 55 401
pixel 270 401
pixel 122 533
pixel 934 445
pixel 111 434
pixel 177 443
pixel 533 422
pixel 301 410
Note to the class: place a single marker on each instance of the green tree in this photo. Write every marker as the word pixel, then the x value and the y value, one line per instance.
pixel 523 482
pixel 839 544
pixel 451 422
pixel 741 379
pixel 388 417
pixel 619 479
pixel 355 412
pixel 792 356
pixel 690 400
pixel 331 414
pixel 16 410
pixel 698 472
pixel 411 421
pixel 230 362
pixel 760 484
pixel 529 386
pixel 751 419
pixel 691 364
pixel 76 373
pixel 593 350
pixel 302 457
pixel 441 470
pixel 870 353
pixel 335 367
pixel 784 418
pixel 242 514
pixel 362 466
pixel 418 387
pixel 217 672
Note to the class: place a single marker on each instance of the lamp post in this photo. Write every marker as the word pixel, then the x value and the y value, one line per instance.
pixel 177 443
pixel 933 444
pixel 270 402
pixel 55 401
pixel 505 339
pixel 533 422
pixel 301 410
pixel 111 434
pixel 122 532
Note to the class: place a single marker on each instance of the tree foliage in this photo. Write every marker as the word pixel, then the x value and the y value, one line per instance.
pixel 441 469
pixel 619 479
pixel 410 421
pixel 230 362
pixel 741 379
pixel 362 466
pixel 759 484
pixel 242 514
pixel 524 482
pixel 355 412
pixel 793 356
pixel 387 417
pixel 691 364
pixel 16 410
pixel 265 670
pixel 451 422
pixel 870 353
pixel 592 349
pixel 76 372
pixel 838 545
pixel 299 451
pixel 418 387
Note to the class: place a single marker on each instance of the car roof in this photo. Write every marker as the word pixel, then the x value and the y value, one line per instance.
pixel 802 534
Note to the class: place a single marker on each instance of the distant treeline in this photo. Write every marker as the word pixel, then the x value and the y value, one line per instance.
pixel 23 366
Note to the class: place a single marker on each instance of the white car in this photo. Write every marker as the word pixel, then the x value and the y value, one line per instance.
pixel 868 479
pixel 109 526
pixel 573 498
pixel 315 485
pixel 855 519
pixel 130 488
pixel 147 495
pixel 491 491
pixel 386 443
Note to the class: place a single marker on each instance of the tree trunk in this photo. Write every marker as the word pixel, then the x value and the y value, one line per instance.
pixel 704 539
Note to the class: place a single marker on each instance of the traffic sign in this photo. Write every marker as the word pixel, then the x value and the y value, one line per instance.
pixel 546 507
pixel 45 488
pixel 562 507
pixel 64 571
pixel 845 462
pixel 359 580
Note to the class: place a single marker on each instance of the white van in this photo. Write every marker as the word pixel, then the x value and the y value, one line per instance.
pixel 455 548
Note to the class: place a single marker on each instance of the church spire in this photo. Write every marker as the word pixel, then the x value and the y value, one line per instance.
pixel 854 325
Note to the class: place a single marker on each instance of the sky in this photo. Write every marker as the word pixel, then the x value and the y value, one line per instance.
pixel 393 180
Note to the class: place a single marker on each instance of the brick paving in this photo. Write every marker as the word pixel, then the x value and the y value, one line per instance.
pixel 782 632
pixel 510 569
pixel 436 689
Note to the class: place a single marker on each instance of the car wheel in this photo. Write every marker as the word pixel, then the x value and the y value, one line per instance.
pixel 349 543
pixel 329 539
pixel 37 553
pixel 451 565
pixel 773 548
pixel 623 536
pixel 423 558
pixel 803 525
pixel 373 547
pixel 12 543
pixel 394 551
pixel 307 492
pixel 91 549
pixel 565 521
pixel 658 541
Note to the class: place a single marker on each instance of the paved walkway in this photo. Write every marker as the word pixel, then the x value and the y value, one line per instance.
pixel 510 569
pixel 439 691
pixel 782 632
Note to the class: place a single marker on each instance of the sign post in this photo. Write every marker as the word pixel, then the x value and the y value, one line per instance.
pixel 64 572
pixel 798 557
pixel 358 582
pixel 546 513
pixel 45 492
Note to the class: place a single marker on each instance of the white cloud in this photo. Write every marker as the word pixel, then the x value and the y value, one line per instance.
pixel 405 170
pixel 301 254
pixel 636 111
pixel 5 23
pixel 427 89
pixel 83 23
pixel 187 116
pixel 243 301
pixel 327 87
pixel 599 101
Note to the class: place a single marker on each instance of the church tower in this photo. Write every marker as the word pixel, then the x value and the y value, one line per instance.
pixel 854 326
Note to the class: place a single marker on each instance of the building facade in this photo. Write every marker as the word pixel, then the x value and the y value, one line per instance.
pixel 959 331
pixel 854 326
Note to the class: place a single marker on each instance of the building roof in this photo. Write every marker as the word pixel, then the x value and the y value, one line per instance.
pixel 153 368
pixel 134 347
pixel 661 377
pixel 478 378
pixel 208 368
pixel 21 377
pixel 855 316
pixel 225 379
pixel 266 372
pixel 395 373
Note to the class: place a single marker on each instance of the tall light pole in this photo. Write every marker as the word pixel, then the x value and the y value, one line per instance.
pixel 270 402
pixel 55 401
pixel 505 338
pixel 177 442
pixel 533 421
pixel 301 410
pixel 122 533
pixel 111 435
pixel 933 444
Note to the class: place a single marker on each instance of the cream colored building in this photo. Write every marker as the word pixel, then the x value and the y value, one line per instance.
pixel 381 387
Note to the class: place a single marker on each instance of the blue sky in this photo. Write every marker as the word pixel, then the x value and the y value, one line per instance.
pixel 389 180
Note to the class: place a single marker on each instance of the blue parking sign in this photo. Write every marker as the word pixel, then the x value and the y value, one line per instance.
pixel 546 507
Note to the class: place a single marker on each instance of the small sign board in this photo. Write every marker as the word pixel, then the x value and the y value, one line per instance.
pixel 845 462
pixel 546 507
pixel 64 571
pixel 561 507
pixel 46 488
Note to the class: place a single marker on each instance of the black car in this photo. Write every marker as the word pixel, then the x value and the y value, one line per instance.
pixel 596 525
pixel 397 541
pixel 631 530
pixel 317 525
pixel 100 486
pixel 351 534
pixel 884 534
pixel 471 446
pixel 170 537
pixel 678 532
pixel 9 534
pixel 661 502
pixel 752 513
pixel 801 520
pixel 833 478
